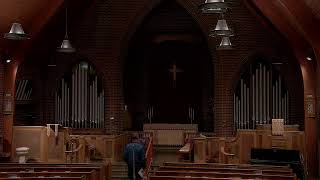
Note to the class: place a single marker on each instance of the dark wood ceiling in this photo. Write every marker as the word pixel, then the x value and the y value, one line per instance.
pixel 303 16
pixel 314 5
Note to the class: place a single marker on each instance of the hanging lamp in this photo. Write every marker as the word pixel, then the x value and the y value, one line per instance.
pixel 221 29
pixel 213 6
pixel 66 46
pixel 16 33
pixel 225 44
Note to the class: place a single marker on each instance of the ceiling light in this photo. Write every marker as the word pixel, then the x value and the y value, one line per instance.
pixel 309 58
pixel 8 60
pixel 225 44
pixel 221 29
pixel 213 6
pixel 66 46
pixel 16 33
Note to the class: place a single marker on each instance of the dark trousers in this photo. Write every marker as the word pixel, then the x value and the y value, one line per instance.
pixel 130 172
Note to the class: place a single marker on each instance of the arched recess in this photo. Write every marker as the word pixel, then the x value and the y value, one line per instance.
pixel 153 51
pixel 29 94
pixel 79 98
pixel 266 89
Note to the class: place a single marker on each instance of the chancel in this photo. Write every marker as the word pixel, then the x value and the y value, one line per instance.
pixel 212 89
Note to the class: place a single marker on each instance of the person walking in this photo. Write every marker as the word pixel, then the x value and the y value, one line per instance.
pixel 134 156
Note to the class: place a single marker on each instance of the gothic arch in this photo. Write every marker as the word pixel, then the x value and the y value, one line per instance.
pixel 293 86
pixel 147 9
pixel 79 98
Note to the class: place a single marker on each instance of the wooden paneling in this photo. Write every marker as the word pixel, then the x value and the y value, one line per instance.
pixel 43 148
pixel 170 134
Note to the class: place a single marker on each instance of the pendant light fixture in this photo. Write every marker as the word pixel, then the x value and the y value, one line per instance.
pixel 66 46
pixel 16 33
pixel 222 28
pixel 213 6
pixel 225 44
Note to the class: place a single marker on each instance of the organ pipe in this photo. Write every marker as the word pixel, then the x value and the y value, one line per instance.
pixel 280 99
pixel 72 101
pixel 248 109
pixel 253 100
pixel 256 89
pixel 239 120
pixel 234 111
pixel 268 98
pixel 242 103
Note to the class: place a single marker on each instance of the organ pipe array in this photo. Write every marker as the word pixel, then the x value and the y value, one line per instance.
pixel 78 103
pixel 259 98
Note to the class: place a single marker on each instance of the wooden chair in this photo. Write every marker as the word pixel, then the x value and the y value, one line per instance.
pixel 73 147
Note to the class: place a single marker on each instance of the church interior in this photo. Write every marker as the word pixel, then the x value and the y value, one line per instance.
pixel 214 89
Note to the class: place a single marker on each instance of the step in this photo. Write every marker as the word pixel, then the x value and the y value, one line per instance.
pixel 120 178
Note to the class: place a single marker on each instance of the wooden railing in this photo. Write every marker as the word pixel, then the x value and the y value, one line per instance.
pixel 149 157
pixel 237 149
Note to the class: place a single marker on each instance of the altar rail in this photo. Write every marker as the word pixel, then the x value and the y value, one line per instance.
pixel 237 149
pixel 108 147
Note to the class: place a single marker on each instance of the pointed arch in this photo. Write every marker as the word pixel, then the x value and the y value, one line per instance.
pixel 79 98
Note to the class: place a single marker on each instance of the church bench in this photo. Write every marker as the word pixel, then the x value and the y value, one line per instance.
pixel 226 169
pixel 84 175
pixel 102 171
pixel 226 175
pixel 53 178
pixel 153 177
pixel 243 166
pixel 11 170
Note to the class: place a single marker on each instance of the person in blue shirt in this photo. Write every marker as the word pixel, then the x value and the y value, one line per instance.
pixel 134 156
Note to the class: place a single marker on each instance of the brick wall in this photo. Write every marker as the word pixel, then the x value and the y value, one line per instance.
pixel 102 35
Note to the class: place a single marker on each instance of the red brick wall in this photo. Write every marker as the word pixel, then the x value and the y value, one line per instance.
pixel 103 34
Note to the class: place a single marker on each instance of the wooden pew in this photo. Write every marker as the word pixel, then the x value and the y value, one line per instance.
pixel 86 175
pixel 53 178
pixel 226 169
pixel 101 171
pixel 226 175
pixel 13 170
pixel 217 165
pixel 153 177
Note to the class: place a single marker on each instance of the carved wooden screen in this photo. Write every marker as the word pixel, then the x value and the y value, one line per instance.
pixel 260 96
pixel 79 100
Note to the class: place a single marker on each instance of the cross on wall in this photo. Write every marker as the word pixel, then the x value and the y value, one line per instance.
pixel 174 70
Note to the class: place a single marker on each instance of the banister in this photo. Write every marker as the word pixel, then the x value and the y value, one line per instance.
pixel 148 158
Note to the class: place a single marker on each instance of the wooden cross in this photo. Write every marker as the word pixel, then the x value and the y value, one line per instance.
pixel 174 70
